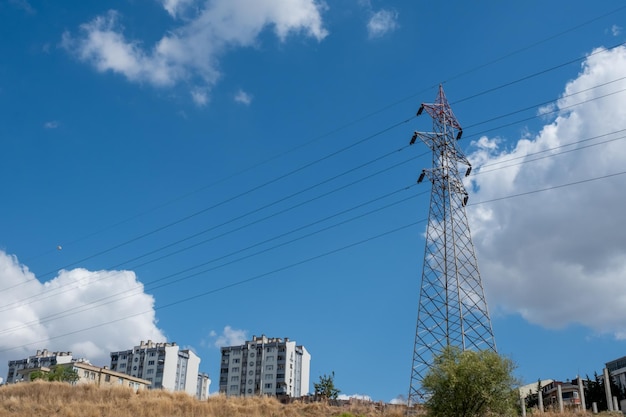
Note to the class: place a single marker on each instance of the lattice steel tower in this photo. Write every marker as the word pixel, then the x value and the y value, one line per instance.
pixel 452 308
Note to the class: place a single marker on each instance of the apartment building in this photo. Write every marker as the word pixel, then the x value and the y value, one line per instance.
pixel 617 370
pixel 165 365
pixel 265 366
pixel 202 386
pixel 42 359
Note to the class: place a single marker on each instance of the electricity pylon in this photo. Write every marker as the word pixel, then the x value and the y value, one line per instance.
pixel 452 307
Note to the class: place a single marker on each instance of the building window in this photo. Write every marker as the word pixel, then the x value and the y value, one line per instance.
pixel 236 360
pixel 150 363
pixel 270 358
pixel 234 387
pixel 269 376
pixel 149 371
pixel 269 367
pixel 268 385
pixel 234 378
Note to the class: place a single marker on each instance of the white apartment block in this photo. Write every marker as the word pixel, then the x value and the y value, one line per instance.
pixel 265 366
pixel 42 359
pixel 202 386
pixel 617 370
pixel 165 365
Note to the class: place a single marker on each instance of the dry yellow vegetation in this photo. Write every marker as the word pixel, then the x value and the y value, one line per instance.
pixel 63 400
pixel 58 399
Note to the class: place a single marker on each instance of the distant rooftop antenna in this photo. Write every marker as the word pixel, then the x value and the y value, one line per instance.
pixel 452 308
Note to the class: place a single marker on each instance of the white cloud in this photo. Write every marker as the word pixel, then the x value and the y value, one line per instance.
pixel 176 7
pixel 63 314
pixel 243 97
pixel 200 96
pixel 559 257
pixel 230 337
pixel 400 399
pixel 53 124
pixel 547 109
pixel 190 51
pixel 381 23
pixel 24 5
pixel 616 30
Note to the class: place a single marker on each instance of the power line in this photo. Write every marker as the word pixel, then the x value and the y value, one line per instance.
pixel 346 125
pixel 554 187
pixel 150 285
pixel 297 193
pixel 536 74
pixel 304 261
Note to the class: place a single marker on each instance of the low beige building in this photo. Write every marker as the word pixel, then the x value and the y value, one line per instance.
pixel 90 374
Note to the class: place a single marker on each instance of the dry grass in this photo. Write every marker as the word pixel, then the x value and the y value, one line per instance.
pixel 56 399
pixel 63 400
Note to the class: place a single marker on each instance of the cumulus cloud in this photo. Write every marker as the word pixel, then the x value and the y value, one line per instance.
pixel 176 7
pixel 400 399
pixel 559 257
pixel 243 97
pixel 547 109
pixel 616 30
pixel 190 51
pixel 381 23
pixel 230 337
pixel 200 96
pixel 66 314
pixel 24 5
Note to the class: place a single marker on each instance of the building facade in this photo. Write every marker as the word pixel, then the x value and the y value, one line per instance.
pixel 265 366
pixel 570 394
pixel 617 370
pixel 42 359
pixel 90 374
pixel 202 386
pixel 165 365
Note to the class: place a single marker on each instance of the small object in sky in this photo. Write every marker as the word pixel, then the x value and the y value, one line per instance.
pixel 59 247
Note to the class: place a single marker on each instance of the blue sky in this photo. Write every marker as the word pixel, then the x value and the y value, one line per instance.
pixel 204 171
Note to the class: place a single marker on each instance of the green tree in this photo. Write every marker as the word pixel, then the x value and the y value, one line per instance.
pixel 63 374
pixel 326 387
pixel 58 373
pixel 470 384
pixel 35 375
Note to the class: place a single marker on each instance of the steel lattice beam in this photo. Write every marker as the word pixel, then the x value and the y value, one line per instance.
pixel 452 308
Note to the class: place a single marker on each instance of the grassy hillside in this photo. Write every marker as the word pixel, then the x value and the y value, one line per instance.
pixel 63 400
